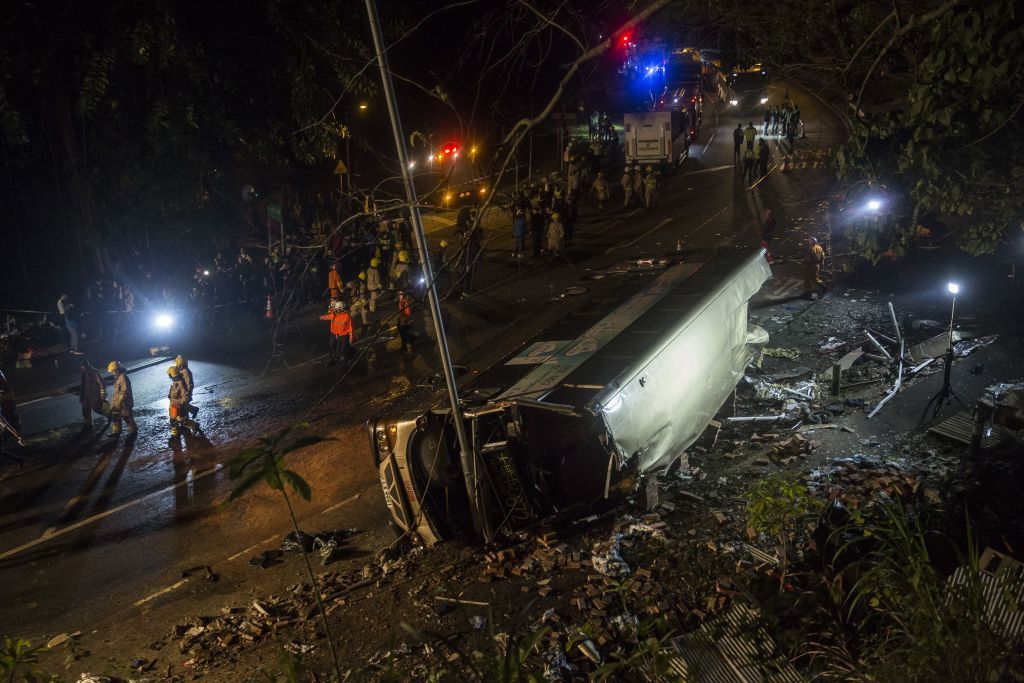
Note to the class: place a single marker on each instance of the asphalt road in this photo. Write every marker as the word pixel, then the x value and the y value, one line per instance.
pixel 96 531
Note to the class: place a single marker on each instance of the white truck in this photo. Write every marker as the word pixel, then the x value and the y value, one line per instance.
pixel 656 138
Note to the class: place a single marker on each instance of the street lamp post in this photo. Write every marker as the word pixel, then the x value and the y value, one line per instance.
pixel 465 453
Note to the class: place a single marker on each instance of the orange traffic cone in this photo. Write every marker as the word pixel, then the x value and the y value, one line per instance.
pixel 270 308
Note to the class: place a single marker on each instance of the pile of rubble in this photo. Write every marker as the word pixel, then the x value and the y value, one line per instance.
pixel 859 481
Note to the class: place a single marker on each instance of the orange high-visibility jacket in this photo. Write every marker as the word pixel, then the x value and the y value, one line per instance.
pixel 334 282
pixel 341 323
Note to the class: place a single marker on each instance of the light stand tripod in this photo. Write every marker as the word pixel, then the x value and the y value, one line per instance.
pixel 946 392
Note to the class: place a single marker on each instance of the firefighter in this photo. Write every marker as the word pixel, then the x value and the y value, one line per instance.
pixel 334 282
pixel 814 258
pixel 373 283
pixel 342 335
pixel 650 188
pixel 404 322
pixel 600 189
pixel 190 383
pixel 627 186
pixel 749 135
pixel 555 235
pixel 177 395
pixel 358 302
pixel 123 402
pixel 92 394
pixel 400 271
pixel 638 185
pixel 748 166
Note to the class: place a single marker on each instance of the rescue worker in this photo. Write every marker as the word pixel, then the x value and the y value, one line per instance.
pixel 177 397
pixel 555 235
pixel 814 258
pixel 737 142
pixel 650 188
pixel 439 263
pixel 748 166
pixel 373 283
pixel 627 186
pixel 190 383
pixel 404 323
pixel 518 233
pixel 66 309
pixel 638 185
pixel 400 272
pixel 92 394
pixel 342 335
pixel 123 402
pixel 749 134
pixel 600 190
pixel 334 282
pixel 357 298
pixel 763 154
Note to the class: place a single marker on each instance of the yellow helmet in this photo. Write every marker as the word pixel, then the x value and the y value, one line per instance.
pixel 555 216
pixel 180 362
pixel 403 256
pixel 444 244
pixel 173 371
pixel 374 262
pixel 362 275
pixel 112 366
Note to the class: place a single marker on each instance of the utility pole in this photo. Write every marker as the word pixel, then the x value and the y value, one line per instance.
pixel 466 457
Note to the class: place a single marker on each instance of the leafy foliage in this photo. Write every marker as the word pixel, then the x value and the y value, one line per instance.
pixel 782 509
pixel 17 662
pixel 951 150
pixel 894 616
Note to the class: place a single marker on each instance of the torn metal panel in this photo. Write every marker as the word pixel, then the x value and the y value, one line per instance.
pixel 935 347
pixel 895 387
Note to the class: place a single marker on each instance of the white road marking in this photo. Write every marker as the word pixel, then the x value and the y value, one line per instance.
pixel 705 151
pixel 607 227
pixel 106 513
pixel 637 239
pixel 143 601
pixel 712 169
pixel 35 400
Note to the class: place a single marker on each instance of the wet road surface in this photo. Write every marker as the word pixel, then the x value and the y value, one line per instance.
pixel 93 527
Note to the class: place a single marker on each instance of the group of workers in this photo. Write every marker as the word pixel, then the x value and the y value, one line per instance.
pixel 640 188
pixel 121 406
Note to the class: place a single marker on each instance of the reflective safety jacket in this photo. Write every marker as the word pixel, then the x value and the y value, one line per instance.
pixel 334 282
pixel 178 395
pixel 189 381
pixel 341 323
pixel 123 397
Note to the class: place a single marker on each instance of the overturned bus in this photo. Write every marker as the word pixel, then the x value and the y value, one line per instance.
pixel 616 382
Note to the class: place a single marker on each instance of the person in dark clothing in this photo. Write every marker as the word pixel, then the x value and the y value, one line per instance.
pixel 767 120
pixel 737 143
pixel 763 154
pixel 748 166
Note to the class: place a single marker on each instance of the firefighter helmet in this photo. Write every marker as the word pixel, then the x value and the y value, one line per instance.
pixel 374 262
pixel 554 216
pixel 112 366
pixel 338 305
pixel 362 275
pixel 403 256
pixel 180 362
pixel 444 244
pixel 173 371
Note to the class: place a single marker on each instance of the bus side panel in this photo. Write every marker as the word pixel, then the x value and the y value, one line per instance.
pixel 667 399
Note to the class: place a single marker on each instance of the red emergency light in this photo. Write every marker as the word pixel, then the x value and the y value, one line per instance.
pixel 450 149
